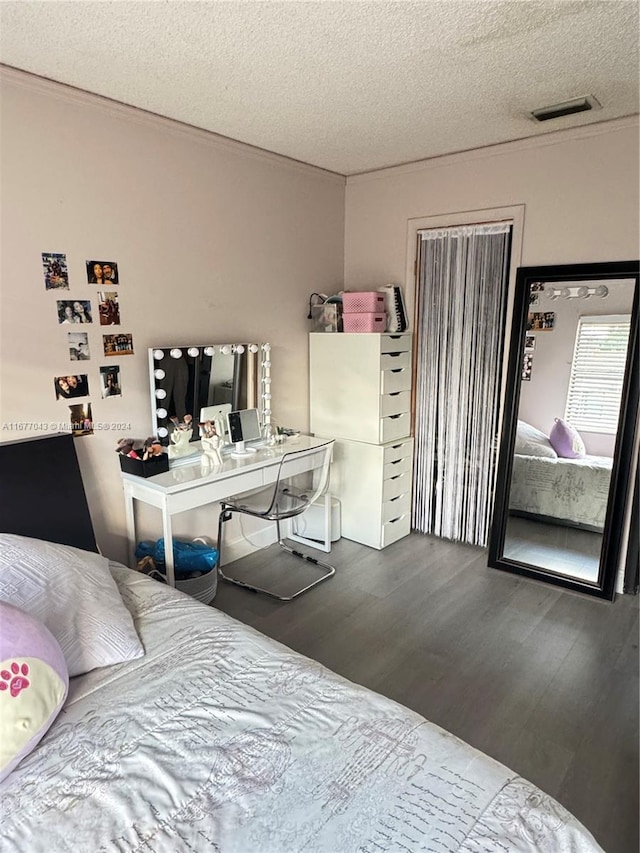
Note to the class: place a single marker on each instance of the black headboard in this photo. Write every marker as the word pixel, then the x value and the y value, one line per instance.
pixel 41 492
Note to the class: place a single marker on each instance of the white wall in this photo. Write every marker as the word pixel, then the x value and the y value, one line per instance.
pixel 544 397
pixel 215 241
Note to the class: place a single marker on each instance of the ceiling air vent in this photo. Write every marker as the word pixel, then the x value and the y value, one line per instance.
pixel 577 105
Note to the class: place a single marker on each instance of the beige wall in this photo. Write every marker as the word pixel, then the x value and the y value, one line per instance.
pixel 580 191
pixel 215 242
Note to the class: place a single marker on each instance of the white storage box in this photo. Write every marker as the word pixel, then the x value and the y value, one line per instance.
pixel 311 523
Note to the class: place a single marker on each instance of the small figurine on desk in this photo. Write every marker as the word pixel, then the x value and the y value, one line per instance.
pixel 210 442
pixel 180 437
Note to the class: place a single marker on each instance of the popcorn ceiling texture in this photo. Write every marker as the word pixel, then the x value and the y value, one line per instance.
pixel 347 86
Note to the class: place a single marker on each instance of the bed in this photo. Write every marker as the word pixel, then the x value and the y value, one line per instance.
pixel 549 487
pixel 567 491
pixel 217 738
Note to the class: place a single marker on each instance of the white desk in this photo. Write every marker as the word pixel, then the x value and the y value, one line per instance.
pixel 186 487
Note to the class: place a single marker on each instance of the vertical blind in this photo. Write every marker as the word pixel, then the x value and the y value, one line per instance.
pixel 462 284
pixel 597 373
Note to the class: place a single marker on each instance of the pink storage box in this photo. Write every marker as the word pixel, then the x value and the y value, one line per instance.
pixel 363 302
pixel 364 322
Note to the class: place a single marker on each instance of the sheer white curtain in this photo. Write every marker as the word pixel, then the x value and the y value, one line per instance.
pixel 462 286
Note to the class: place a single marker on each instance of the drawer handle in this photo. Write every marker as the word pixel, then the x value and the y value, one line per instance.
pixel 397 476
pixel 394 417
pixel 394 520
pixel 397 498
pixel 397 370
pixel 396 461
pixel 395 394
pixel 394 354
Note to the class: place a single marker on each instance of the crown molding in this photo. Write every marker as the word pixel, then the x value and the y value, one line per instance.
pixel 555 137
pixel 116 109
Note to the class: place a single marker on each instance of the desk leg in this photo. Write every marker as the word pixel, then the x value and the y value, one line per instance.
pixel 130 521
pixel 168 545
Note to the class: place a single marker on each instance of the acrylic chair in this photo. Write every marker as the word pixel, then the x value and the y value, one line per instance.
pixel 303 477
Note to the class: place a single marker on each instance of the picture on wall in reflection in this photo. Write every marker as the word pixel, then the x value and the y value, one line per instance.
pixel 527 361
pixel 541 321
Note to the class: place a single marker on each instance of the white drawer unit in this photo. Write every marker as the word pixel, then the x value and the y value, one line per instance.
pixel 360 386
pixel 373 484
pixel 361 396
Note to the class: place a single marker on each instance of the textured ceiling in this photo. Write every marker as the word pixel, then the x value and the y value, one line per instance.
pixel 348 86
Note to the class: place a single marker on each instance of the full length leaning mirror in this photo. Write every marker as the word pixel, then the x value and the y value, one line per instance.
pixel 569 425
pixel 186 379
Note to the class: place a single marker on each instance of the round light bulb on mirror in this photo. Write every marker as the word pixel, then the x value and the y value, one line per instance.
pixel 163 432
pixel 583 292
pixel 194 352
pixel 226 349
pixel 266 396
pixel 175 353
pixel 601 290
pixel 239 349
pixel 267 413
pixel 158 354
pixel 160 393
pixel 266 365
pixel 253 348
pixel 209 351
pixel 266 347
pixel 565 293
pixel 161 413
pixel 159 374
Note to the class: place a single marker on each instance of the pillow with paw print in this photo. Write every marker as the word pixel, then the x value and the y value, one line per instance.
pixel 33 684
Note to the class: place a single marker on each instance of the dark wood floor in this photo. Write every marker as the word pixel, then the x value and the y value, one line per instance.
pixel 543 680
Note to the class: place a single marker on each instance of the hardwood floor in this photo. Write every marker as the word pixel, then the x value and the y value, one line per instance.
pixel 543 680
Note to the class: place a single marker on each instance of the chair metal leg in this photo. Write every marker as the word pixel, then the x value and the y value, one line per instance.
pixel 327 570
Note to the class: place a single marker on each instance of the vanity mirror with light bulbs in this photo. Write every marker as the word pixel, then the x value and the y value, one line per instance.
pixel 184 380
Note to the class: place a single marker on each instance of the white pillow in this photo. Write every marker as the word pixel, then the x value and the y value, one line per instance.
pixel 73 593
pixel 532 442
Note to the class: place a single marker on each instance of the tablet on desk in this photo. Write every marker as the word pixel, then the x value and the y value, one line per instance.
pixel 244 427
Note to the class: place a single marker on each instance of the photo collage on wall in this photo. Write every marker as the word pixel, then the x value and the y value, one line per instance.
pixel 103 276
pixel 537 321
pixel 527 361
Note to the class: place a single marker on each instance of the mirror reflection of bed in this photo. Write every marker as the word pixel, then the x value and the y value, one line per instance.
pixel 557 507
pixel 558 500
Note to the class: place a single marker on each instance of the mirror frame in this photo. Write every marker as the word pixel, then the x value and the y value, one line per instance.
pixel 260 387
pixel 620 485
